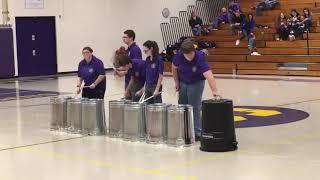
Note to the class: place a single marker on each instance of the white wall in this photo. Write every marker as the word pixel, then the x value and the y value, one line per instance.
pixel 143 16
pixel 99 24
pixel 0 12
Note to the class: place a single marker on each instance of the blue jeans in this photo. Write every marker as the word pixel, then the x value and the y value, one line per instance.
pixel 196 31
pixel 192 94
pixel 244 34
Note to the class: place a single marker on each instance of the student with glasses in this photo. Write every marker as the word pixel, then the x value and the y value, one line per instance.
pixel 91 71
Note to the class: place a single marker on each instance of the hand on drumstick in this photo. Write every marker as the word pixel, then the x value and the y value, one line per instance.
pixel 156 93
pixel 139 93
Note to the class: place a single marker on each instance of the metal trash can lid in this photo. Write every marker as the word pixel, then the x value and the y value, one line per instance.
pixel 158 107
pixel 180 107
pixel 75 101
pixel 114 103
pixel 59 99
pixel 89 103
pixel 135 105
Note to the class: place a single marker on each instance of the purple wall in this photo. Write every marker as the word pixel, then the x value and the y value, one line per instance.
pixel 6 53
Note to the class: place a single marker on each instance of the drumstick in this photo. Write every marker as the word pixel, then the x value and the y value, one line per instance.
pixel 142 97
pixel 150 98
pixel 82 87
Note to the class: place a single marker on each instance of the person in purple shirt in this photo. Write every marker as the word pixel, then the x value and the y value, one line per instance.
pixel 154 73
pixel 234 7
pixel 137 70
pixel 133 50
pixel 190 69
pixel 223 18
pixel 91 72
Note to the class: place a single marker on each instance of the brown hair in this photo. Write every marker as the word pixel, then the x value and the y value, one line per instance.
pixel 131 34
pixel 122 60
pixel 88 49
pixel 152 44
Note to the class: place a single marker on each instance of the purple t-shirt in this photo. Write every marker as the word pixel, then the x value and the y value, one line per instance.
pixel 191 71
pixel 138 70
pixel 235 7
pixel 89 72
pixel 224 17
pixel 134 52
pixel 153 69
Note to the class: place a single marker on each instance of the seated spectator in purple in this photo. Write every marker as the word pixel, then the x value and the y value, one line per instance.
pixel 223 18
pixel 234 7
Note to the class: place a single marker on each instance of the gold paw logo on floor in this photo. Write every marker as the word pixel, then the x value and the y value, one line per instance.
pixel 255 116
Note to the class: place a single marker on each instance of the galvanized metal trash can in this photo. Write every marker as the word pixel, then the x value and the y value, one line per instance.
pixel 156 120
pixel 180 128
pixel 58 113
pixel 134 125
pixel 93 117
pixel 74 113
pixel 116 117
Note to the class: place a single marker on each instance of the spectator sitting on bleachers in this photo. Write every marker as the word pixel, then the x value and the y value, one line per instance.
pixel 265 5
pixel 247 28
pixel 294 24
pixel 196 24
pixel 236 22
pixel 282 27
pixel 233 8
pixel 307 18
pixel 223 18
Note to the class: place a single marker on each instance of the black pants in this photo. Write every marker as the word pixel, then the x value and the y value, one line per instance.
pixel 93 93
pixel 135 88
pixel 149 90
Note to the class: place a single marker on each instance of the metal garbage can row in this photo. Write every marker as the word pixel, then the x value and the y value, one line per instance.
pixel 155 123
pixel 78 116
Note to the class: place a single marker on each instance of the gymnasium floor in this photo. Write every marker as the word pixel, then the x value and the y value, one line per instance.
pixel 276 150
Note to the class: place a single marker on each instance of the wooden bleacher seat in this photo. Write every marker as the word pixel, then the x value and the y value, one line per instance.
pixel 227 56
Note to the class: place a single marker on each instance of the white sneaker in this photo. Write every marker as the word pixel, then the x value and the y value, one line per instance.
pixel 237 42
pixel 255 54
pixel 278 39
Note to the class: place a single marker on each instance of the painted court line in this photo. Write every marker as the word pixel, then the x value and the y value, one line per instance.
pixel 159 171
pixel 217 156
pixel 298 102
pixel 82 159
pixel 8 147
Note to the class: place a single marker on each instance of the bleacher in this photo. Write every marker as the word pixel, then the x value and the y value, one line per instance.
pixel 277 57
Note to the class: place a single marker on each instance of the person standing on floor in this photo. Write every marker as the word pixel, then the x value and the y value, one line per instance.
pixel 91 71
pixel 133 51
pixel 137 71
pixel 154 73
pixel 190 69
